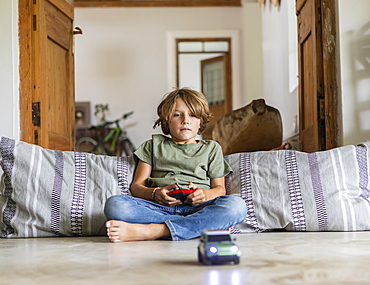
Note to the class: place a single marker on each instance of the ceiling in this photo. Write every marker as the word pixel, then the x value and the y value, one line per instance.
pixel 155 3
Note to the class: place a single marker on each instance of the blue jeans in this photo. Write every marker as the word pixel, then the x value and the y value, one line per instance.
pixel 183 221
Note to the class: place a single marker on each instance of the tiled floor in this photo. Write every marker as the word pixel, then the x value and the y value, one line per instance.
pixel 267 258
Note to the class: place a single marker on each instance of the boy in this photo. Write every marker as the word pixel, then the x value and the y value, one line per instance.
pixel 165 162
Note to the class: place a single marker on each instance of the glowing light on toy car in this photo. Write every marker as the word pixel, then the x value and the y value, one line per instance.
pixel 213 249
pixel 234 248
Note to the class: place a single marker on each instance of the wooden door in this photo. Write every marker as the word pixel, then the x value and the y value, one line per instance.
pixel 216 86
pixel 318 107
pixel 47 73
pixel 310 76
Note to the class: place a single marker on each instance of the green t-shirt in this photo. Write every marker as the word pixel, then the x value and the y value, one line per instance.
pixel 172 162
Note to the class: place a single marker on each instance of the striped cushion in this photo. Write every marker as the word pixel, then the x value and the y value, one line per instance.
pixel 53 193
pixel 296 191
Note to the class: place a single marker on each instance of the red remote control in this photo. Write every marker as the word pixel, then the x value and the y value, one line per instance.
pixel 180 194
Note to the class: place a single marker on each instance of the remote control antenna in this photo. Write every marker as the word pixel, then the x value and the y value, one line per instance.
pixel 178 185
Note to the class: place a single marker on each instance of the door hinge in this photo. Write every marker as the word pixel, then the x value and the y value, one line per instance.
pixel 34 23
pixel 322 109
pixel 36 117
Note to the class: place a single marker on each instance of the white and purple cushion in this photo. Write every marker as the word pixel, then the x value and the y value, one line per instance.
pixel 297 191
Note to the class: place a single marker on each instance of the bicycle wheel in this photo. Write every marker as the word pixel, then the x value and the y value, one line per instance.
pixel 86 144
pixel 127 147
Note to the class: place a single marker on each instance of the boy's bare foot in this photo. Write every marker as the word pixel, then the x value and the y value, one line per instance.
pixel 119 231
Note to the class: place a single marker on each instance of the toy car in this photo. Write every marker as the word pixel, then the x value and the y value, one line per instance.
pixel 216 247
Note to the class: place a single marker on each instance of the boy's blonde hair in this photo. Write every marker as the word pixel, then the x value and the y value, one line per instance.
pixel 194 100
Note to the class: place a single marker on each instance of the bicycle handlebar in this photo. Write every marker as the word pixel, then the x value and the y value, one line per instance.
pixel 125 116
pixel 107 123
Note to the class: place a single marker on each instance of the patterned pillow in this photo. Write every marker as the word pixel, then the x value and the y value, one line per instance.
pixel 296 191
pixel 57 193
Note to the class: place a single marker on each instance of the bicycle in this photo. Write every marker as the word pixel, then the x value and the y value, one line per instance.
pixel 113 142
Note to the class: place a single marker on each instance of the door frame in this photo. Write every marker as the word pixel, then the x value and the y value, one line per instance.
pixel 331 74
pixel 234 49
pixel 226 55
pixel 25 12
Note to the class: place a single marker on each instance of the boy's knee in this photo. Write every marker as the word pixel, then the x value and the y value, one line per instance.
pixel 113 203
pixel 109 206
pixel 238 206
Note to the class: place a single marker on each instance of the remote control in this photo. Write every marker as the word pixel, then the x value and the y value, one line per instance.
pixel 180 194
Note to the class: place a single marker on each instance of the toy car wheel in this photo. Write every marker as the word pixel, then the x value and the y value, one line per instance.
pixel 237 260
pixel 207 261
pixel 200 257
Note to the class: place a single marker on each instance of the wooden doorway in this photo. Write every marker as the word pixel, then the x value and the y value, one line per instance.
pixel 47 73
pixel 318 91
pixel 215 73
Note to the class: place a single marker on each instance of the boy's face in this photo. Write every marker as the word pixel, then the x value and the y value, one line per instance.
pixel 184 126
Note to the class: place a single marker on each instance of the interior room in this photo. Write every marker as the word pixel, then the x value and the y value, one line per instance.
pixel 267 61
pixel 125 57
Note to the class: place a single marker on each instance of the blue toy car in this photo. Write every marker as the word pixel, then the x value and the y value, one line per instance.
pixel 216 247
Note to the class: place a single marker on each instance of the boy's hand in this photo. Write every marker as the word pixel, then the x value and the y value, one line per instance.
pixel 161 197
pixel 197 197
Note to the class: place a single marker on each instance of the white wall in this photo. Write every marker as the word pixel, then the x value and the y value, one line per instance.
pixel 354 30
pixel 279 67
pixel 9 79
pixel 121 57
pixel 252 53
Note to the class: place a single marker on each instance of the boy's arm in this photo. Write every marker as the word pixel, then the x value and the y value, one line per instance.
pixel 217 188
pixel 138 185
